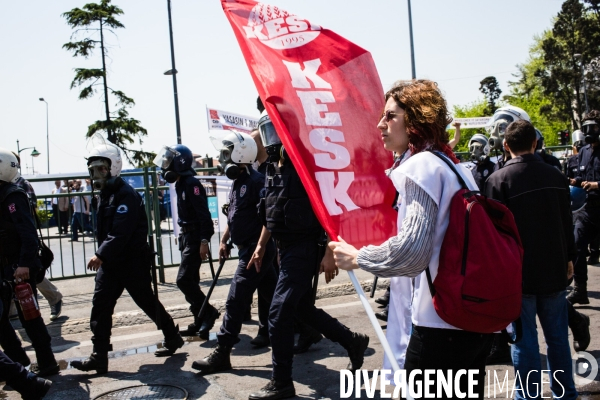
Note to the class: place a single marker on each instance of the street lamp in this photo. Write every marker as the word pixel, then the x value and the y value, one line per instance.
pixel 412 46
pixel 173 72
pixel 578 57
pixel 47 135
pixel 33 154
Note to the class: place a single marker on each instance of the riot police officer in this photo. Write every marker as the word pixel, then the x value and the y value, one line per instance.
pixel 122 260
pixel 16 376
pixel 287 213
pixel 571 166
pixel 196 230
pixel 482 166
pixel 587 226
pixel 244 227
pixel 540 151
pixel 18 261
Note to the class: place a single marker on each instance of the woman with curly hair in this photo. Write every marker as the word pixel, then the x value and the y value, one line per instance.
pixel 413 125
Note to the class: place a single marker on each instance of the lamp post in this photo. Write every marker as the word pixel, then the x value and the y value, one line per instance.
pixel 173 72
pixel 47 135
pixel 33 154
pixel 412 46
pixel 578 57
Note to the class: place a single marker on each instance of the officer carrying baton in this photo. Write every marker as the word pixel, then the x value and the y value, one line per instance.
pixel 210 262
pixel 374 286
pixel 214 283
pixel 155 281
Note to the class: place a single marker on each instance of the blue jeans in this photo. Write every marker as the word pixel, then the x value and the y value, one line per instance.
pixel 552 312
pixel 76 224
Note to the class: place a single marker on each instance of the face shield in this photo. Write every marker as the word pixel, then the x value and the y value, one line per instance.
pixel 164 158
pixel 591 131
pixel 269 136
pixel 497 133
pixel 99 170
pixel 226 165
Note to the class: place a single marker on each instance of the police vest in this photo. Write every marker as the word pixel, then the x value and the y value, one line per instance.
pixel 10 241
pixel 286 209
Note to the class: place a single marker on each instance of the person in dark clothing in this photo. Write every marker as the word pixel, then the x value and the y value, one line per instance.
pixel 246 231
pixel 28 384
pixel 538 196
pixel 287 213
pixel 587 226
pixel 122 260
pixel 482 166
pixel 19 246
pixel 307 335
pixel 196 227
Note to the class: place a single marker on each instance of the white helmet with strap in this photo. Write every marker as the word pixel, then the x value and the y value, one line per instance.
pixel 108 151
pixel 9 166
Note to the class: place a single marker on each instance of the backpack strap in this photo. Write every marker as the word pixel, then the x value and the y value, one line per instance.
pixel 439 155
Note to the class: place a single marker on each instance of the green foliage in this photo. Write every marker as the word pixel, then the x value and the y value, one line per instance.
pixel 491 90
pixel 475 109
pixel 43 214
pixel 94 20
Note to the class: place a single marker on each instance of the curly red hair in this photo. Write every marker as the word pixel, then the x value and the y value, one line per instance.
pixel 426 115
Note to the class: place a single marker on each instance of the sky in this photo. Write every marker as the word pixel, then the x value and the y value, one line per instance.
pixel 457 43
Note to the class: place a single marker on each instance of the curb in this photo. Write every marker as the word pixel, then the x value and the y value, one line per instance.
pixel 131 318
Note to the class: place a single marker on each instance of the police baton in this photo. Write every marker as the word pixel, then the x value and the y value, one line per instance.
pixel 210 262
pixel 374 286
pixel 214 282
pixel 155 281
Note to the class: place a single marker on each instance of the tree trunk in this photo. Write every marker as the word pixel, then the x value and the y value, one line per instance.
pixel 111 137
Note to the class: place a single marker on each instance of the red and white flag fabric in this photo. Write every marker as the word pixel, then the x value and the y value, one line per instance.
pixel 325 98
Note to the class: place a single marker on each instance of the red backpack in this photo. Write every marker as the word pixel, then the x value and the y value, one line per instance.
pixel 478 284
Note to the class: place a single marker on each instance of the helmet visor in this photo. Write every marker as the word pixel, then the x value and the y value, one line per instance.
pixel 268 134
pixel 590 127
pixel 165 157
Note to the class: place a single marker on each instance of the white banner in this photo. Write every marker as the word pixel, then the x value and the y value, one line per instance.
pixel 224 120
pixel 477 122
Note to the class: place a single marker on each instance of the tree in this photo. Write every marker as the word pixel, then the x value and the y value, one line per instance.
pixel 93 22
pixel 472 110
pixel 491 90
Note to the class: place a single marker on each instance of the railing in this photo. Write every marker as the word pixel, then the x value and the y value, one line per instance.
pixel 71 257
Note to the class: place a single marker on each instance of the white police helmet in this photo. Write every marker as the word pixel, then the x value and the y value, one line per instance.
pixel 236 146
pixel 104 149
pixel 9 165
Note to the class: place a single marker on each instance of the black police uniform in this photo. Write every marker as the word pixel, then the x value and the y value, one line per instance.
pixel 244 228
pixel 587 226
pixel 126 262
pixel 19 246
pixel 288 215
pixel 481 171
pixel 196 225
pixel 571 167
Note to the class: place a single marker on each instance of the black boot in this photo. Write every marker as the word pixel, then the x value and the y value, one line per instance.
pixel 382 315
pixel 45 369
pixel 500 352
pixel 260 341
pixel 385 299
pixel 579 294
pixel 275 390
pixel 191 330
pixel 216 361
pixel 356 351
pixel 208 322
pixel 308 337
pixel 594 258
pixel 170 345
pixel 97 362
pixel 34 388
pixel 581 333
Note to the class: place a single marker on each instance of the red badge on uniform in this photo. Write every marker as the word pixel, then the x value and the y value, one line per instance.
pixel 12 208
pixel 196 190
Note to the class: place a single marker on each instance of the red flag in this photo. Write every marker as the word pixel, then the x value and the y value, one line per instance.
pixel 325 98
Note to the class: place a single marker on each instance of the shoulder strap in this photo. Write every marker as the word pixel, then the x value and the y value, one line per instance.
pixel 439 155
pixel 10 189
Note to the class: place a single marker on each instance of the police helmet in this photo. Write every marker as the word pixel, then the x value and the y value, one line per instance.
pixel 577 137
pixel 9 166
pixel 236 147
pixel 177 158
